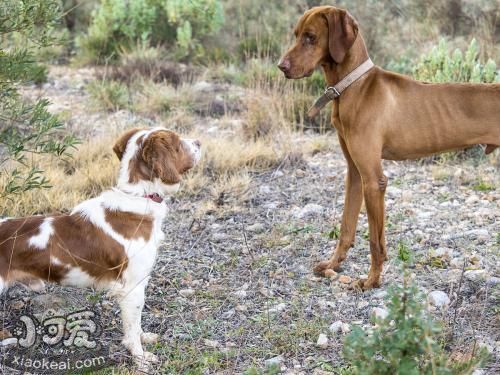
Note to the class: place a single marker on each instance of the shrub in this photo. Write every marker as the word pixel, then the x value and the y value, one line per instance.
pixel 109 95
pixel 26 129
pixel 406 342
pixel 441 66
pixel 118 25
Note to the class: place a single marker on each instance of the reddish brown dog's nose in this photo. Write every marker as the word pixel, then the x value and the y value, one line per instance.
pixel 284 65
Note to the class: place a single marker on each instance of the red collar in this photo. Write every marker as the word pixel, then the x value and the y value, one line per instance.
pixel 155 197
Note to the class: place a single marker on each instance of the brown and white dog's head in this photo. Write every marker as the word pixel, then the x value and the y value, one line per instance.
pixel 323 36
pixel 153 160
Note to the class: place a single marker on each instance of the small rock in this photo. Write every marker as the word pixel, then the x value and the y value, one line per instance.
pixel 336 327
pixel 475 275
pixel 240 294
pixel 443 252
pixel 241 308
pixel 309 210
pixel 219 236
pixel 322 341
pixel 275 361
pixel 211 343
pixel 380 294
pixel 256 228
pixel 480 234
pixel 12 341
pixel 346 328
pixel 265 189
pixel 344 279
pixel 278 308
pixel 379 313
pixel 493 281
pixel 438 298
pixel 331 274
pixel 186 293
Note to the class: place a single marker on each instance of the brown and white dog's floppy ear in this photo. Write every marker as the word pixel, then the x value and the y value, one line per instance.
pixel 121 144
pixel 342 30
pixel 159 154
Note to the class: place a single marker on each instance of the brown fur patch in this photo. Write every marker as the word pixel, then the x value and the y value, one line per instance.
pixel 130 225
pixel 75 243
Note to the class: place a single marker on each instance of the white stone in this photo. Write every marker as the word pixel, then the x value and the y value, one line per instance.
pixel 279 307
pixel 475 275
pixel 346 328
pixel 336 327
pixel 379 313
pixel 275 361
pixel 438 298
pixel 240 293
pixel 322 341
pixel 309 210
pixel 211 343
pixel 186 292
pixel 256 228
pixel 380 294
pixel 265 189
pixel 444 252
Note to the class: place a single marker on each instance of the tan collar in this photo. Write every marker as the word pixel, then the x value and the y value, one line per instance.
pixel 333 92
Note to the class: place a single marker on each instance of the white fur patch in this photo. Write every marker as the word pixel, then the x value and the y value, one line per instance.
pixel 79 278
pixel 55 261
pixel 3 285
pixel 4 219
pixel 42 239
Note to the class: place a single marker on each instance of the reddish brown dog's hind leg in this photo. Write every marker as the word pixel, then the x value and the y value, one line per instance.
pixel 352 206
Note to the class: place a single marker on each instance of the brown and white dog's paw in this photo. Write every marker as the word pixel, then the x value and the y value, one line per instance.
pixel 145 361
pixel 149 338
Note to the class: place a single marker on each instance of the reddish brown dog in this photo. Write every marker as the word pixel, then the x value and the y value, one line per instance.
pixel 384 115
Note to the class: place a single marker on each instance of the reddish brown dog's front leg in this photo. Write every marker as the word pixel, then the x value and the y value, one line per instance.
pixel 352 206
pixel 374 190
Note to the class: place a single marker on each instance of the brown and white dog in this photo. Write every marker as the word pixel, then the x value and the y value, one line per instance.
pixel 108 242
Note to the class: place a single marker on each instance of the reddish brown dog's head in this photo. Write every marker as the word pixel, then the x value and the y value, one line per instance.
pixel 154 160
pixel 323 35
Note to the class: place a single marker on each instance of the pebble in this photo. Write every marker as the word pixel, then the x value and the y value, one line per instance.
pixel 346 328
pixel 275 361
pixel 309 210
pixel 443 252
pixel 256 228
pixel 265 189
pixel 379 313
pixel 331 274
pixel 279 307
pixel 336 327
pixel 475 275
pixel 345 279
pixel 322 341
pixel 240 294
pixel 186 292
pixel 438 298
pixel 211 343
pixel 380 294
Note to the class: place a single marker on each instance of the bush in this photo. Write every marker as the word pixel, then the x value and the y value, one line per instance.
pixel 406 342
pixel 441 66
pixel 109 95
pixel 118 25
pixel 26 129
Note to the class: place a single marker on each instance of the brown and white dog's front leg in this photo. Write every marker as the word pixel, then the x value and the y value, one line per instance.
pixel 352 206
pixel 131 306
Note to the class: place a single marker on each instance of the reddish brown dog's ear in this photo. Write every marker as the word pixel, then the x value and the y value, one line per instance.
pixel 121 144
pixel 343 30
pixel 159 156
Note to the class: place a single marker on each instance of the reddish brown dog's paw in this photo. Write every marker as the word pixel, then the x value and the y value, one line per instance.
pixel 320 268
pixel 365 284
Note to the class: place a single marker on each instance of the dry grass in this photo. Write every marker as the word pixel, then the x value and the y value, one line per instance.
pixel 225 170
pixel 92 169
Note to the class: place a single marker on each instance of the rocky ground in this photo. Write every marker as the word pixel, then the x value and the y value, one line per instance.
pixel 233 289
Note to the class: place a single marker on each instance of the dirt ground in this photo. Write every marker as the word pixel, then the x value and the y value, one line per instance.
pixel 233 288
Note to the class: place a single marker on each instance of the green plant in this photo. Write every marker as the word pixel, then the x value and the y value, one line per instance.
pixel 109 95
pixel 26 129
pixel 441 66
pixel 407 341
pixel 118 25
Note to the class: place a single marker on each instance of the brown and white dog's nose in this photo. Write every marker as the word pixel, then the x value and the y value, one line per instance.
pixel 284 65
pixel 197 143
